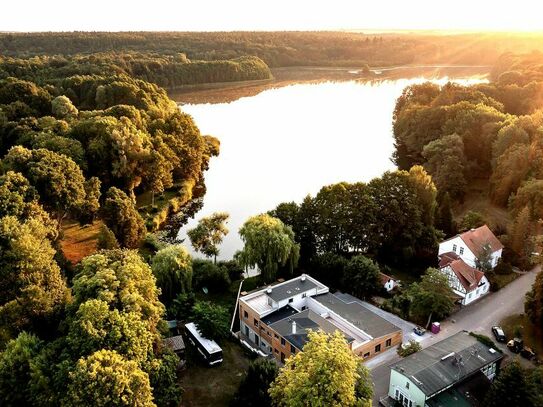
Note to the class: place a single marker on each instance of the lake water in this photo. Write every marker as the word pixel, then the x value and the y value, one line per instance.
pixel 285 143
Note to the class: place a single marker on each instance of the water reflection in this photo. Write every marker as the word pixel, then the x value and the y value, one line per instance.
pixel 285 143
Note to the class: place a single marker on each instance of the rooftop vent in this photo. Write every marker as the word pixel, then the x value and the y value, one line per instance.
pixel 303 277
pixel 289 292
pixel 269 290
pixel 297 288
pixel 492 350
pixel 447 356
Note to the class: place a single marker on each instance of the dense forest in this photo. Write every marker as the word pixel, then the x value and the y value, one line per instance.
pixel 164 70
pixel 278 49
pixel 80 144
pixel 488 133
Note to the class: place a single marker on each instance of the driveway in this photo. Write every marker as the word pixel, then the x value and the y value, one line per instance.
pixel 477 317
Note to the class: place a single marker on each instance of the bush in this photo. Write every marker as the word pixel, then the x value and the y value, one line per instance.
pixel 234 270
pixel 410 348
pixel 503 268
pixel 106 239
pixel 181 308
pixel 212 276
pixel 213 321
pixel 485 340
pixel 472 220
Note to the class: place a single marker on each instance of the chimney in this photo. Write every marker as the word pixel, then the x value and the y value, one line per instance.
pixel 303 277
pixel 293 327
pixel 269 290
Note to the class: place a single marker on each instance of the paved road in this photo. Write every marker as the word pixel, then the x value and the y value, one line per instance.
pixel 478 317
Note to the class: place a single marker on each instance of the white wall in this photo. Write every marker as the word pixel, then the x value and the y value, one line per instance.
pixel 404 385
pixel 449 246
pixel 478 292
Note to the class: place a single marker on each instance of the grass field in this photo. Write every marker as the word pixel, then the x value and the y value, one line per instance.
pixel 532 336
pixel 213 386
pixel 79 241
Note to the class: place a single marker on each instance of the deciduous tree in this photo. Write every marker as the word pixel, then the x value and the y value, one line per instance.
pixel 172 267
pixel 209 233
pixel 268 244
pixel 325 373
pixel 361 277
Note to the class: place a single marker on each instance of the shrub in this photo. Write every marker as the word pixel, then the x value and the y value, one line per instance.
pixel 411 347
pixel 503 268
pixel 485 340
pixel 212 276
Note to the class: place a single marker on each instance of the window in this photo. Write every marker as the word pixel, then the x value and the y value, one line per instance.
pixel 304 308
pixel 454 248
pixel 290 300
pixel 256 322
pixel 292 349
pixel 406 385
pixel 477 292
pixel 245 314
pixel 283 342
pixel 276 336
pixel 276 350
pixel 388 343
pixel 461 250
pixel 282 357
pixel 469 295
pixel 366 355
pixel 378 348
pixel 304 295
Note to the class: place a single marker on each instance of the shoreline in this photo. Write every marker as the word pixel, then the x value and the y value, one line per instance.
pixel 224 92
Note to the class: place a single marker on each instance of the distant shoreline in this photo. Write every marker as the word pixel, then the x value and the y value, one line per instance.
pixel 223 92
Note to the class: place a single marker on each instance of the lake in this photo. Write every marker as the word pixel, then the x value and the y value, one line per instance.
pixel 285 143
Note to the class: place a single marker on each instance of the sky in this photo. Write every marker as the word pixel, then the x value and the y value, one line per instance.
pixel 240 15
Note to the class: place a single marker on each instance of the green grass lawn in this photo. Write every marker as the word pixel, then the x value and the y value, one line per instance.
pixel 213 386
pixel 532 336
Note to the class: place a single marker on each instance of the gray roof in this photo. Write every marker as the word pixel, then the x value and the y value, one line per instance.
pixel 175 343
pixel 359 316
pixel 305 321
pixel 446 363
pixel 291 288
pixel 279 314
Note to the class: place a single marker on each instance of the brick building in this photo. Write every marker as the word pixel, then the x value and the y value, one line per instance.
pixel 276 319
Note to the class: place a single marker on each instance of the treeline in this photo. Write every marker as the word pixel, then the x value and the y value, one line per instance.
pixel 490 132
pixel 278 49
pixel 390 219
pixel 163 70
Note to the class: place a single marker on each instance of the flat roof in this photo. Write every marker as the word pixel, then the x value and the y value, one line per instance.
pixel 446 363
pixel 290 288
pixel 305 321
pixel 175 343
pixel 361 317
pixel 209 344
pixel 279 314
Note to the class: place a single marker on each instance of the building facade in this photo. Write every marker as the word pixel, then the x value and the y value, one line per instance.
pixel 469 246
pixel 467 282
pixel 276 319
pixel 423 378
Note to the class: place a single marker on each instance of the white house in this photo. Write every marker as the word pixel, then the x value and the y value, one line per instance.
pixel 388 282
pixel 469 245
pixel 467 282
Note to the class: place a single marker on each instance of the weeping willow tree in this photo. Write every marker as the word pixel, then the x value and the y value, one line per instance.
pixel 269 243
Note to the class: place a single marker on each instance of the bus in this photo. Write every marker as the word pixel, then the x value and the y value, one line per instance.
pixel 210 351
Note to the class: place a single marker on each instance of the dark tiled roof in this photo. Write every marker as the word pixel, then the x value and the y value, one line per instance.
pixel 290 288
pixel 446 363
pixel 278 315
pixel 305 321
pixel 359 316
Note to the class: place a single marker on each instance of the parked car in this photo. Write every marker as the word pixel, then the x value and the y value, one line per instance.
pixel 499 334
pixel 419 330
pixel 527 353
pixel 515 345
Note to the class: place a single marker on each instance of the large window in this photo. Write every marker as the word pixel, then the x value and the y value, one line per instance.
pixel 378 348
pixel 245 314
pixel 283 341
pixel 388 343
pixel 256 322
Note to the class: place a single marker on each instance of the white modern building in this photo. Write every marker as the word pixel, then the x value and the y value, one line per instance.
pixel 469 246
pixel 467 282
